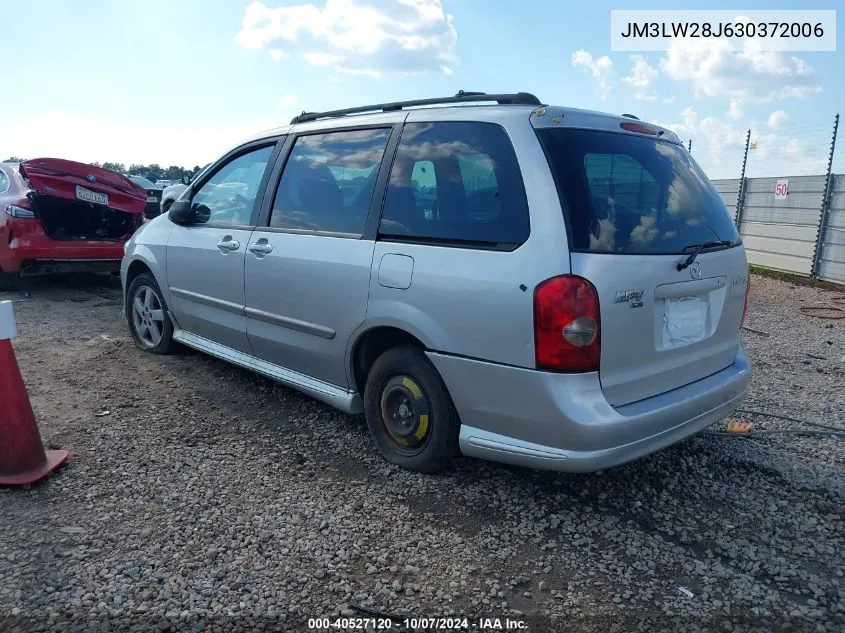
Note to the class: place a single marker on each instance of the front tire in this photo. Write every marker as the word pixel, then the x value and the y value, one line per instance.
pixel 146 312
pixel 409 411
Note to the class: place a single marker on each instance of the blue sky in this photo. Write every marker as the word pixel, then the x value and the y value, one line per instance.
pixel 179 82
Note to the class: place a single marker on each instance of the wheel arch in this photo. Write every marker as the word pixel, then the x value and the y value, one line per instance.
pixel 371 341
pixel 142 261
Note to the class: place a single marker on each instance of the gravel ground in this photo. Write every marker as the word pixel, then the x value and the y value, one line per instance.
pixel 208 498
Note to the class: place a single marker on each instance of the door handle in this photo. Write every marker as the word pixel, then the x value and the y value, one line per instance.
pixel 227 244
pixel 261 247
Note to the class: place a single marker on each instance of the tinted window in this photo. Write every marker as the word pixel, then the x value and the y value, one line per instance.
pixel 228 197
pixel 328 181
pixel 630 194
pixel 142 182
pixel 457 182
pixel 4 182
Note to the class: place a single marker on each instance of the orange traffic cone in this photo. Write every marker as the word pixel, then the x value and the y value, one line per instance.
pixel 23 459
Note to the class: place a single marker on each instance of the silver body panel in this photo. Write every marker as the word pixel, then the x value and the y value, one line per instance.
pixel 305 299
pixel 295 312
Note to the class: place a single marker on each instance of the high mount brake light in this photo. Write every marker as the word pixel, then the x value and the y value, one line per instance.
pixel 640 128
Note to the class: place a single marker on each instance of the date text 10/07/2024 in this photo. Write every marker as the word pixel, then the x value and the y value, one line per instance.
pixel 415 624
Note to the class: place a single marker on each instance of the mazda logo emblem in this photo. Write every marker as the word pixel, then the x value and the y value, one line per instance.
pixel 695 270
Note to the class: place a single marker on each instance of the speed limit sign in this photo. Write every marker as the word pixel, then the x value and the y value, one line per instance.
pixel 781 189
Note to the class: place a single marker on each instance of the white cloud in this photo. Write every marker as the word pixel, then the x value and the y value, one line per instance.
pixel 600 67
pixel 641 77
pixel 718 146
pixel 288 101
pixel 690 117
pixel 778 119
pixel 669 100
pixel 88 139
pixel 735 109
pixel 370 37
pixel 317 58
pixel 716 69
pixel 277 54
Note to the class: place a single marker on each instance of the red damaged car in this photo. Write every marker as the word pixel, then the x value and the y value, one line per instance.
pixel 62 216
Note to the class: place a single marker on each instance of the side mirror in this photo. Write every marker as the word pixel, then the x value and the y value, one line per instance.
pixel 182 212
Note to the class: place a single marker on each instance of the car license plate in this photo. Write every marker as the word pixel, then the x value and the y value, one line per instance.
pixel 91 196
pixel 684 321
pixel 152 199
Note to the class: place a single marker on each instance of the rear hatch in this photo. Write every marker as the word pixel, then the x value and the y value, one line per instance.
pixel 648 230
pixel 69 180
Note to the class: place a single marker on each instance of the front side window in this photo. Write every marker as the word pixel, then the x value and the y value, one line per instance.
pixel 228 197
pixel 328 181
pixel 631 194
pixel 456 182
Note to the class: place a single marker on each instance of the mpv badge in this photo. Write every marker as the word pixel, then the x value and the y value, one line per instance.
pixel 632 297
pixel 91 178
pixel 695 270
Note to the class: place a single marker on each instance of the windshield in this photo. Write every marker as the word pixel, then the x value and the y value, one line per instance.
pixel 630 194
pixel 143 182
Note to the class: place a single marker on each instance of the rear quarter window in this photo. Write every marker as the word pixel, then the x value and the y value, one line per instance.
pixel 456 183
pixel 629 194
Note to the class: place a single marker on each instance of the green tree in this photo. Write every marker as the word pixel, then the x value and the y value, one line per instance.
pixel 14 159
pixel 174 172
pixel 118 167
pixel 155 172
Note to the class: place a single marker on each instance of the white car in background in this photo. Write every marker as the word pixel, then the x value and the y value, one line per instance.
pixel 173 192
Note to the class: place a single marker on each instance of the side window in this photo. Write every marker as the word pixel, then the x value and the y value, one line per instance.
pixel 328 181
pixel 4 182
pixel 456 181
pixel 424 184
pixel 228 197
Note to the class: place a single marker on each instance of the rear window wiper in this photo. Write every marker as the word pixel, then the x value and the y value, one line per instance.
pixel 698 248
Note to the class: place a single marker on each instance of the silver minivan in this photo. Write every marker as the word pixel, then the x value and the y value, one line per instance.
pixel 532 284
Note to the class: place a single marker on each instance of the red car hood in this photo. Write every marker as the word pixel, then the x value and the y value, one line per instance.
pixel 59 178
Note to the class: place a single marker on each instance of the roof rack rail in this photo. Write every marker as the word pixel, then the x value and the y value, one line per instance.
pixel 518 98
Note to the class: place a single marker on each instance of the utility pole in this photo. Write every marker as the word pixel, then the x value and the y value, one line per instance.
pixel 740 198
pixel 689 146
pixel 828 182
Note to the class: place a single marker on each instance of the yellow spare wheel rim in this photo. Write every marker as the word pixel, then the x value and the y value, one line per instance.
pixel 406 414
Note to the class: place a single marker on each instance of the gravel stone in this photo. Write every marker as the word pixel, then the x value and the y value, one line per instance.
pixel 211 499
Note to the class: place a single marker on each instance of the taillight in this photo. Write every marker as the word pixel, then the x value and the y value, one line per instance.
pixel 567 328
pixel 745 305
pixel 17 211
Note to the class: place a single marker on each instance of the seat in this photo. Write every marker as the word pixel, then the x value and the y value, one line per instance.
pixel 321 199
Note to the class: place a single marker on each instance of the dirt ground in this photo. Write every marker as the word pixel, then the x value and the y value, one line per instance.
pixel 202 497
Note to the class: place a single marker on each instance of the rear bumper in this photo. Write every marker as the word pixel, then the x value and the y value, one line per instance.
pixel 24 245
pixel 563 422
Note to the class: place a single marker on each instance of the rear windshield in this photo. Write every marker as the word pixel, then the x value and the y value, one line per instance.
pixel 631 194
pixel 143 182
